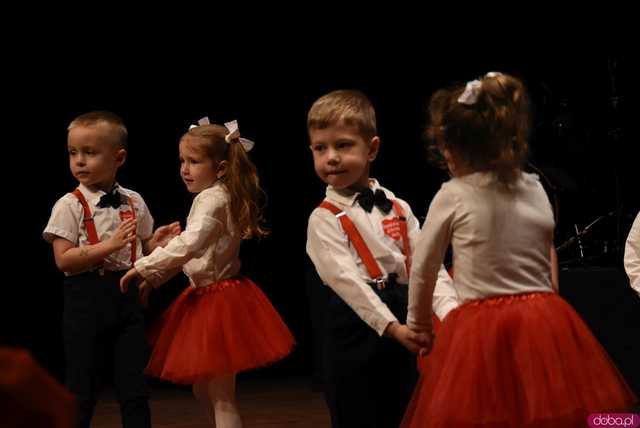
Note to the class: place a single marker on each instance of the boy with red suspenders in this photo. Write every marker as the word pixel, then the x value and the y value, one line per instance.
pixel 97 232
pixel 360 241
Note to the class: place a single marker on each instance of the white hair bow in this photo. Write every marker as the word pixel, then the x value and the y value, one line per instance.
pixel 473 88
pixel 202 121
pixel 234 134
pixel 471 92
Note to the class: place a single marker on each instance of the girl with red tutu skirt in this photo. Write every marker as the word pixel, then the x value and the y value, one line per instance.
pixel 222 323
pixel 514 354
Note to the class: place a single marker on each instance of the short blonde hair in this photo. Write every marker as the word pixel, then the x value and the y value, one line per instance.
pixel 117 129
pixel 349 106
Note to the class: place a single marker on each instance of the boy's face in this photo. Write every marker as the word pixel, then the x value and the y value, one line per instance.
pixel 341 155
pixel 94 158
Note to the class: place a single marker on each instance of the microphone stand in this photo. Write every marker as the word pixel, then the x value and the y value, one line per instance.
pixel 581 233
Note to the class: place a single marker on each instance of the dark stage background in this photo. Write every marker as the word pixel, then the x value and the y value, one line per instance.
pixel 583 142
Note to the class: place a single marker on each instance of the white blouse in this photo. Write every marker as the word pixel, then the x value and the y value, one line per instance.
pixel 501 241
pixel 632 255
pixel 207 250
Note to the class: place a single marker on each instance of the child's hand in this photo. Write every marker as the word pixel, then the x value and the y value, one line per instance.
pixel 144 288
pixel 127 278
pixel 164 234
pixel 125 233
pixel 425 339
pixel 407 337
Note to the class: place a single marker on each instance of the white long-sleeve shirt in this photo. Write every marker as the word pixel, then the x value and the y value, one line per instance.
pixel 340 267
pixel 207 250
pixel 632 255
pixel 501 241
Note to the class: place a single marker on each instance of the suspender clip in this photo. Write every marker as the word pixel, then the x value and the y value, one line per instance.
pixel 380 283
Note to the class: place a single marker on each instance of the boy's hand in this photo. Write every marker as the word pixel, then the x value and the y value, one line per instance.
pixel 164 234
pixel 411 340
pixel 127 278
pixel 124 234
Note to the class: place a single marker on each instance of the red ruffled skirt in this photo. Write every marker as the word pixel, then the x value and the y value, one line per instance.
pixel 224 328
pixel 523 361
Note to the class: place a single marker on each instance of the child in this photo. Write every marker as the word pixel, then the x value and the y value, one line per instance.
pixel 223 323
pixel 632 255
pixel 363 253
pixel 29 396
pixel 97 231
pixel 514 354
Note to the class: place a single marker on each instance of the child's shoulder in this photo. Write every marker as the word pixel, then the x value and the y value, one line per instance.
pixel 68 200
pixel 218 190
pixel 386 191
pixel 488 179
pixel 216 194
pixel 531 179
pixel 321 214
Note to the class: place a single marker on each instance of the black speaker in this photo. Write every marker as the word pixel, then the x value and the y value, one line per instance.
pixel 611 309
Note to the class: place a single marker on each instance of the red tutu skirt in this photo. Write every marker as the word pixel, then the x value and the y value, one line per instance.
pixel 227 327
pixel 524 361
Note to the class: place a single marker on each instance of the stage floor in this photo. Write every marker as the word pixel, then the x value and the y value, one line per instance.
pixel 264 403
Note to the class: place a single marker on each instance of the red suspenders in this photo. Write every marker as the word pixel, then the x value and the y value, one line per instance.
pixel 361 247
pixel 364 252
pixel 406 249
pixel 92 234
pixel 89 224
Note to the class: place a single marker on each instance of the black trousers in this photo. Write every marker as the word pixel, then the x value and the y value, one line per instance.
pixel 368 379
pixel 99 323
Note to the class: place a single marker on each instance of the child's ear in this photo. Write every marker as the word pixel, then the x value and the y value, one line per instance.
pixel 374 147
pixel 121 156
pixel 221 170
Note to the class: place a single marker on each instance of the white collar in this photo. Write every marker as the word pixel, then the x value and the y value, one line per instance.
pixel 94 196
pixel 348 197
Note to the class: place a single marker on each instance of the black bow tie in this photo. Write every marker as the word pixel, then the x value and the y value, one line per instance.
pixel 111 199
pixel 367 199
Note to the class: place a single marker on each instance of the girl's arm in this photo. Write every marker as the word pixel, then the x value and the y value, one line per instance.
pixel 70 258
pixel 204 224
pixel 161 237
pixel 445 297
pixel 555 276
pixel 155 280
pixel 430 249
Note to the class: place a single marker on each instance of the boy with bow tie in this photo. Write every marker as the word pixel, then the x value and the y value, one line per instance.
pixel 97 232
pixel 360 240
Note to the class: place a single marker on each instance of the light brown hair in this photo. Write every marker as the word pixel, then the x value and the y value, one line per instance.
pixel 490 134
pixel 349 106
pixel 241 178
pixel 117 129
